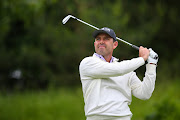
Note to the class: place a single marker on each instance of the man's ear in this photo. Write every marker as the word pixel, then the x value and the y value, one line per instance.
pixel 115 44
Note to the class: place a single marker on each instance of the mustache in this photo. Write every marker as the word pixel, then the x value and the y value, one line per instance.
pixel 100 45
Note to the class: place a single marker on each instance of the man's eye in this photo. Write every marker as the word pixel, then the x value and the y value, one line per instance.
pixel 106 38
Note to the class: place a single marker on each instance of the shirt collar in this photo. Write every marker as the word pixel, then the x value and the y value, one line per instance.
pixel 100 56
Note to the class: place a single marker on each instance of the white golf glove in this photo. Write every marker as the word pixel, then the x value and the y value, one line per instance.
pixel 153 57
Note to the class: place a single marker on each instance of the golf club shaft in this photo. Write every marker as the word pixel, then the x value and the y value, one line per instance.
pixel 133 46
pixel 87 23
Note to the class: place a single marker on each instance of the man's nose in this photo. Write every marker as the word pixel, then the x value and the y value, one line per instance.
pixel 101 41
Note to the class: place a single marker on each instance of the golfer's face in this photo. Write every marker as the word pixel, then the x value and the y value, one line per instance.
pixel 104 44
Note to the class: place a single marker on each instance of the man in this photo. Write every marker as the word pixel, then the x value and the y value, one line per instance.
pixel 108 85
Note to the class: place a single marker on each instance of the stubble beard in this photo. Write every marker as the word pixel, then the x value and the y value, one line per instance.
pixel 102 51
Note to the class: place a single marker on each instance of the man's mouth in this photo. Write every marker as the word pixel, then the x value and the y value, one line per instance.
pixel 101 46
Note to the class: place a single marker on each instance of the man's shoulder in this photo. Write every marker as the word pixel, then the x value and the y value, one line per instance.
pixel 90 58
pixel 87 58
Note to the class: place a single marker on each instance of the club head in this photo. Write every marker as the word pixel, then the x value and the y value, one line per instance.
pixel 64 21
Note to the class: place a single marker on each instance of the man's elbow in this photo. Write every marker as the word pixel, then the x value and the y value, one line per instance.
pixel 145 97
pixel 143 94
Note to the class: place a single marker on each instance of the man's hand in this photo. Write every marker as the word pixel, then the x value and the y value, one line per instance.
pixel 144 53
pixel 153 57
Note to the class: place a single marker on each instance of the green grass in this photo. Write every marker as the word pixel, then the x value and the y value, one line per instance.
pixel 68 104
pixel 61 104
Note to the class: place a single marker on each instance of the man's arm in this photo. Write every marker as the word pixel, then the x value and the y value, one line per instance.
pixel 143 90
pixel 96 68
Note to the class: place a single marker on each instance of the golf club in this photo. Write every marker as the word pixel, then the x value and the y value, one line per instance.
pixel 65 20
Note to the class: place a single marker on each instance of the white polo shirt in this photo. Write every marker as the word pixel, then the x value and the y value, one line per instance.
pixel 108 87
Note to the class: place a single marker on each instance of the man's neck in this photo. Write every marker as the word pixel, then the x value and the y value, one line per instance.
pixel 108 58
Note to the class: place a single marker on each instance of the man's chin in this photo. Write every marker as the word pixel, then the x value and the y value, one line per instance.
pixel 101 52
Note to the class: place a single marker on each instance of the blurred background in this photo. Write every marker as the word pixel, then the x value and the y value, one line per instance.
pixel 39 56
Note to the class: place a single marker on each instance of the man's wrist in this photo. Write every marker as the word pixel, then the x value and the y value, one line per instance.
pixel 152 64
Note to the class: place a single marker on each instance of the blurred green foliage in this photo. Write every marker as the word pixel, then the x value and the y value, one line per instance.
pixel 167 110
pixel 164 103
pixel 47 53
